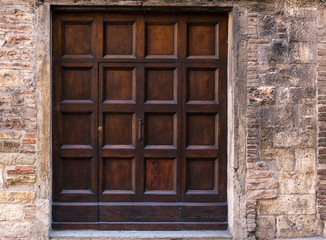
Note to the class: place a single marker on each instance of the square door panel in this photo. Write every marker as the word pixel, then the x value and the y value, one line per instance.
pixel 201 174
pixel 76 83
pixel 160 129
pixel 202 85
pixel 118 174
pixel 202 129
pixel 160 175
pixel 119 84
pixel 118 129
pixel 161 39
pixel 161 84
pixel 202 39
pixel 77 38
pixel 119 39
pixel 77 129
pixel 76 173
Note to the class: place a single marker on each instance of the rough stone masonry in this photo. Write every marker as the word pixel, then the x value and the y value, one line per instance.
pixel 277 115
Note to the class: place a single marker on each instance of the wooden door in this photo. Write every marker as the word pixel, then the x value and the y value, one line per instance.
pixel 139 121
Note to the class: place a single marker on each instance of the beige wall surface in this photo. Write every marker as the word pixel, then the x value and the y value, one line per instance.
pixel 276 114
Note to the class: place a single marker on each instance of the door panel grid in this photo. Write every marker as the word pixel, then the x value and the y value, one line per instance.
pixel 139 121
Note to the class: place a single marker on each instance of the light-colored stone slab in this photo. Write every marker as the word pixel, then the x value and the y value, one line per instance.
pixel 297 183
pixel 288 205
pixel 297 226
pixel 133 235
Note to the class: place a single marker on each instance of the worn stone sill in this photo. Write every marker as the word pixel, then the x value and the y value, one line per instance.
pixel 306 238
pixel 93 234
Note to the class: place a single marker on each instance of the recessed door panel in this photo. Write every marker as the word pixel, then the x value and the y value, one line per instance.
pixel 139 121
pixel 119 38
pixel 160 175
pixel 160 129
pixel 74 132
pixel 119 84
pixel 118 129
pixel 118 175
pixel 161 85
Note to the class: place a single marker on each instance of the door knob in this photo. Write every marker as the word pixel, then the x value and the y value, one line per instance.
pixel 100 128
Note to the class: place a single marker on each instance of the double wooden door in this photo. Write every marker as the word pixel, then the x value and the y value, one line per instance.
pixel 139 121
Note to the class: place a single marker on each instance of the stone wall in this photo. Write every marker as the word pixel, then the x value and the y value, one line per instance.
pixel 281 120
pixel 277 109
pixel 321 111
pixel 18 124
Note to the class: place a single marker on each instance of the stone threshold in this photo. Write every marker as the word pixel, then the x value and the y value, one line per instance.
pixel 143 235
pixel 307 238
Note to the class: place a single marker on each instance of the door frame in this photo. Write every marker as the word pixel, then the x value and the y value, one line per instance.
pixel 235 90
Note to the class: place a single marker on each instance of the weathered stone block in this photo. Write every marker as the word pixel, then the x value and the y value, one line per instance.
pixel 286 205
pixel 14 229
pixel 284 157
pixel 5 99
pixel 297 183
pixel 297 226
pixel 254 174
pixel 257 166
pixel 300 8
pixel 9 147
pixel 8 77
pixel 19 178
pixel 299 75
pixel 261 96
pixel 11 212
pixel 302 29
pixel 28 141
pixel 298 94
pixel 267 28
pixel 278 116
pixel 265 227
pixel 322 125
pixel 274 53
pixel 1 176
pixel 16 158
pixel 261 194
pixel 265 139
pixel 302 52
pixel 251 237
pixel 21 174
pixel 29 212
pixel 257 184
pixel 307 111
pixel 305 160
pixel 9 135
pixel 18 39
pixel 283 95
pixel 268 116
pixel 17 197
pixel 292 137
pixel 2 39
pixel 270 74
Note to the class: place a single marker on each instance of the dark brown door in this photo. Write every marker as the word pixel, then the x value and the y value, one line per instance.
pixel 139 121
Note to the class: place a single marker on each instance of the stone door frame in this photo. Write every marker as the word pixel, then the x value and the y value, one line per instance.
pixel 237 98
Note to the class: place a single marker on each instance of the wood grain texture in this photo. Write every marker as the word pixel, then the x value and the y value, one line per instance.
pixel 139 121
pixel 113 44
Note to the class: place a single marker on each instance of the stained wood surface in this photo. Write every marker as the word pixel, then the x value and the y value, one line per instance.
pixel 139 121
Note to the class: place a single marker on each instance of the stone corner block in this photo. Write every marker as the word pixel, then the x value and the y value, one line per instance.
pixel 288 205
pixel 295 226
pixel 265 227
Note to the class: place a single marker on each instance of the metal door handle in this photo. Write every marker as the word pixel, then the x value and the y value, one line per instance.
pixel 139 138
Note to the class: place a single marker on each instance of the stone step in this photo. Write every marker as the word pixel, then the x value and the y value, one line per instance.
pixel 308 238
pixel 141 235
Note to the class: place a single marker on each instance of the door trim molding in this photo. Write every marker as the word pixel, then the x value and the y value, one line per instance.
pixel 236 106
